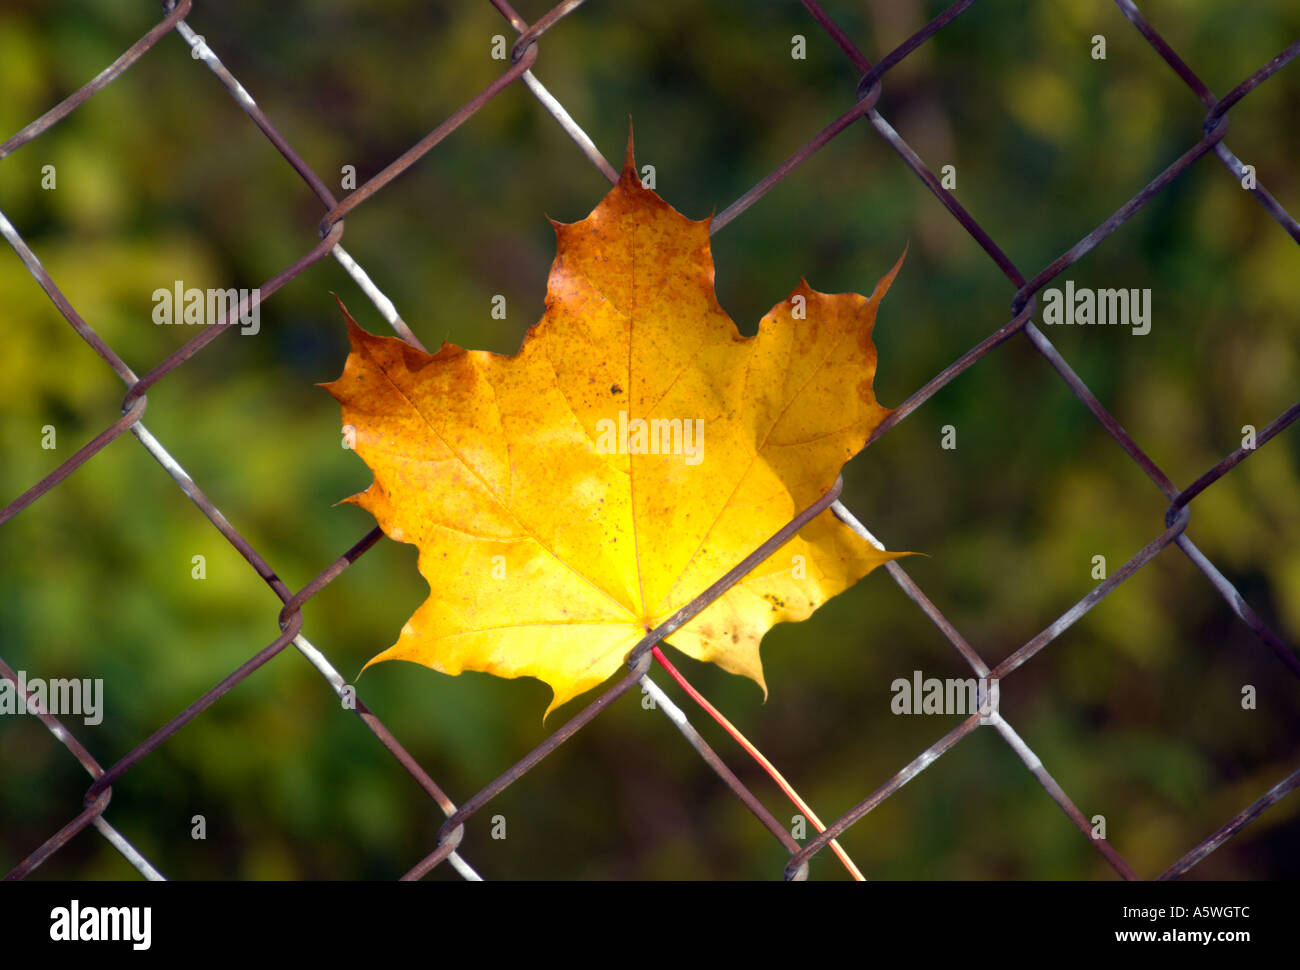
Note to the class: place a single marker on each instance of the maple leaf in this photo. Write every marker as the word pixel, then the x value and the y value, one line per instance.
pixel 569 499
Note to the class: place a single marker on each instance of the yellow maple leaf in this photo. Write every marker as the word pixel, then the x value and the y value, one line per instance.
pixel 569 499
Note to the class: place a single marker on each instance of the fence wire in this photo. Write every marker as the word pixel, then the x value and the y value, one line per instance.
pixel 524 56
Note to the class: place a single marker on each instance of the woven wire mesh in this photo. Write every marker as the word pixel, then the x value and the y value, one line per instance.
pixel 1019 326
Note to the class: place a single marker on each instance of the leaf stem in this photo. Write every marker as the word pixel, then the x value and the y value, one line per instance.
pixel 758 756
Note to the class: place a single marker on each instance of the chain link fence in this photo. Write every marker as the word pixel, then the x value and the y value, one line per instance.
pixel 1020 326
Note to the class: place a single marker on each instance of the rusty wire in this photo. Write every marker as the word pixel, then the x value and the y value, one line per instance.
pixel 330 230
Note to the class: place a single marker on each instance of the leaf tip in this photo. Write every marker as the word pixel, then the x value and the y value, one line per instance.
pixel 629 158
pixel 356 332
pixel 888 279
pixel 352 500
pixel 339 300
pixel 882 287
pixel 556 701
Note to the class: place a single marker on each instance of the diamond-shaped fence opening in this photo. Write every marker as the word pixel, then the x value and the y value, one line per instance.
pixel 1167 538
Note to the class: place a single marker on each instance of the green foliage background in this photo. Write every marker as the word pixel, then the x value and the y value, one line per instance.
pixel 1136 709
